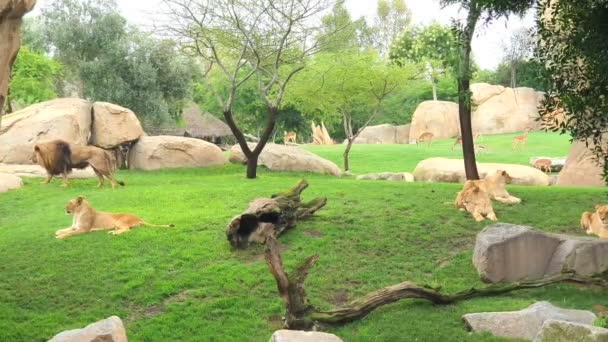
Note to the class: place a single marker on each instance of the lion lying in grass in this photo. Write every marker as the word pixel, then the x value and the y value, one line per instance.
pixel 59 158
pixel 494 186
pixel 476 201
pixel 87 219
pixel 595 223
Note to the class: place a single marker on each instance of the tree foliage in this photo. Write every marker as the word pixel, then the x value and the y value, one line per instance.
pixel 393 17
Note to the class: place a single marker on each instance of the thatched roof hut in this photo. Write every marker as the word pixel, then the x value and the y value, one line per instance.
pixel 198 125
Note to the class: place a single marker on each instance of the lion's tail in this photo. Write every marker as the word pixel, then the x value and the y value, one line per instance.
pixel 157 225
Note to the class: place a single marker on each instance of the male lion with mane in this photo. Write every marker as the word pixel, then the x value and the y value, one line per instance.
pixel 87 219
pixel 595 223
pixel 59 158
pixel 476 201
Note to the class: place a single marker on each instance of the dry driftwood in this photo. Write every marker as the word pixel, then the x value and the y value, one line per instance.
pixel 301 315
pixel 271 216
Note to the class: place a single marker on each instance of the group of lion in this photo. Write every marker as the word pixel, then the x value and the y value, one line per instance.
pixel 58 158
pixel 477 195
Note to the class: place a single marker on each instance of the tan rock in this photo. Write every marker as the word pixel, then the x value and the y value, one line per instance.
pixel 303 336
pixel 108 330
pixel 452 171
pixel 9 181
pixel 392 176
pixel 11 14
pixel 485 91
pixel 554 330
pixel 524 324
pixel 581 168
pixel 38 171
pixel 437 117
pixel 67 119
pixel 384 134
pixel 287 158
pixel 509 253
pixel 114 125
pixel 159 152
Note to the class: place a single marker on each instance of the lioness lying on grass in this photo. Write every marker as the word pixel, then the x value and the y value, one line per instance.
pixel 476 201
pixel 87 219
pixel 595 223
pixel 494 186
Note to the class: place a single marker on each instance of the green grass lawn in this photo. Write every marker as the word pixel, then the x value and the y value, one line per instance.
pixel 403 158
pixel 186 284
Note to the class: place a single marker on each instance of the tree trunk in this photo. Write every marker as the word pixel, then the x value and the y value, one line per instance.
pixel 464 93
pixel 271 216
pixel 434 89
pixel 252 165
pixel 513 80
pixel 346 153
pixel 301 315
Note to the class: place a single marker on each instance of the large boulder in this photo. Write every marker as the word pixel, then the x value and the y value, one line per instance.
pixel 67 119
pixel 38 171
pixel 287 158
pixel 524 324
pixel 114 125
pixel 437 117
pixel 509 253
pixel 158 152
pixel 392 176
pixel 303 336
pixel 384 134
pixel 11 14
pixel 581 168
pixel 108 330
pixel 504 110
pixel 452 171
pixel 9 181
pixel 563 331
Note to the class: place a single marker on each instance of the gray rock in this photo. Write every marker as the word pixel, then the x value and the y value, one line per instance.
pixel 563 331
pixel 526 323
pixel 108 330
pixel 303 336
pixel 507 253
pixel 392 176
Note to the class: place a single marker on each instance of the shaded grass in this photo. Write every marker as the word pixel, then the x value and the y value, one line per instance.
pixel 404 158
pixel 186 284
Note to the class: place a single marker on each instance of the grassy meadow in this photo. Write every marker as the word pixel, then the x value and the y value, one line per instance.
pixel 187 284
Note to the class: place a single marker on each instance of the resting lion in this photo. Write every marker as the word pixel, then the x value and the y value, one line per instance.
pixel 59 158
pixel 87 219
pixel 494 186
pixel 595 223
pixel 476 201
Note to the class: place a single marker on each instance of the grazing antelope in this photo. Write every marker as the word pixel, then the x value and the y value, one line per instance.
pixel 520 140
pixel 289 137
pixel 543 165
pixel 425 137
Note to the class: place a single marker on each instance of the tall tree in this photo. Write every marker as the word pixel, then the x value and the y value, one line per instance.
pixel 573 47
pixel 518 49
pixel 434 46
pixel 487 10
pixel 393 17
pixel 265 39
pixel 338 31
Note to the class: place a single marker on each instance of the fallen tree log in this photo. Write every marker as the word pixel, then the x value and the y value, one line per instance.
pixel 301 315
pixel 267 217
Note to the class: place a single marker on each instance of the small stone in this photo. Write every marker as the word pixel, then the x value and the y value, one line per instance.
pixel 303 336
pixel 108 330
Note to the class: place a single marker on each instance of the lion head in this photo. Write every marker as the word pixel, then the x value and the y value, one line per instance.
pixel 504 175
pixel 74 205
pixel 602 211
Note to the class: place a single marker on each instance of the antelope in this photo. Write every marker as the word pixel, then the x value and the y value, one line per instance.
pixel 289 137
pixel 543 165
pixel 479 148
pixel 520 140
pixel 425 137
pixel 458 140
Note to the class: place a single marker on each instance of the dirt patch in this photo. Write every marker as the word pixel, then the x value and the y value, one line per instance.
pixel 275 322
pixel 340 298
pixel 159 308
pixel 313 233
pixel 256 254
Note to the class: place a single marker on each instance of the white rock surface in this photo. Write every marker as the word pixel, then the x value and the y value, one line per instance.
pixel 303 336
pixel 108 330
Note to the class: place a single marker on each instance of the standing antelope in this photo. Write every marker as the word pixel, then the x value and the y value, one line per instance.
pixel 520 140
pixel 458 140
pixel 425 137
pixel 289 137
pixel 543 165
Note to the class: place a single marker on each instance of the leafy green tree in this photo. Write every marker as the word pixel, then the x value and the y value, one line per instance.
pixel 434 46
pixel 487 10
pixel 338 32
pixel 573 47
pixel 348 87
pixel 518 49
pixel 32 78
pixel 530 73
pixel 393 17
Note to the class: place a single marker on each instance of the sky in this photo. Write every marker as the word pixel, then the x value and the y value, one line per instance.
pixel 487 43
